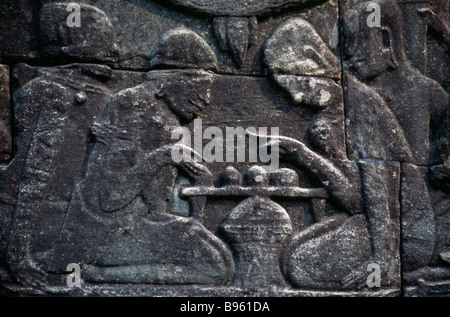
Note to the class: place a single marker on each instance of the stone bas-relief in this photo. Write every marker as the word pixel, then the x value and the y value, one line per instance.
pixel 357 205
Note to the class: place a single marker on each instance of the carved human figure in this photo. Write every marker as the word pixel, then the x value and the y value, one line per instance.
pixel 99 221
pixel 376 57
pixel 53 108
pixel 326 255
pixel 236 21
pixel 120 219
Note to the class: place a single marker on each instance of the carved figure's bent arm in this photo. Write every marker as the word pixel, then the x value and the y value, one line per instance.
pixel 341 181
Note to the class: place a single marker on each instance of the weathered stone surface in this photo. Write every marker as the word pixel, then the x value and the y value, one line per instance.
pixel 234 35
pixel 240 8
pixel 57 131
pixel 35 121
pixel 137 40
pixel 381 189
pixel 373 131
pixel 295 48
pixel 256 229
pixel 100 199
pixel 21 17
pixel 440 177
pixel 313 259
pixel 183 48
pixel 412 92
pixel 94 41
pixel 5 116
pixel 224 148
pixel 424 228
pixel 314 92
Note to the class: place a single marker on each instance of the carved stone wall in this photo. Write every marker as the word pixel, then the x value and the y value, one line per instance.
pixel 340 108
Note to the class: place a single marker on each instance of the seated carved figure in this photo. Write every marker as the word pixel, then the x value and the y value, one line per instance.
pixel 334 252
pixel 376 56
pixel 120 225
pixel 54 108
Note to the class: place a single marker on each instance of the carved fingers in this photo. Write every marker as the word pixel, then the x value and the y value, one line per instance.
pixel 187 159
pixel 283 145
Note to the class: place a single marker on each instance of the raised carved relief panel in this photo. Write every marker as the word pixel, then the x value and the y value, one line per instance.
pixel 276 148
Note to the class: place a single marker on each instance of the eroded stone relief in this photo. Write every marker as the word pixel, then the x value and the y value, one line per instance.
pixel 88 116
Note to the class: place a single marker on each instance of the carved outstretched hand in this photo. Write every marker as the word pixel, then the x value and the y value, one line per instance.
pixel 284 145
pixel 198 172
pixel 115 195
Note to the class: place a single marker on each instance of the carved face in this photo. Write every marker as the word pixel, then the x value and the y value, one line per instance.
pixel 188 93
pixel 368 49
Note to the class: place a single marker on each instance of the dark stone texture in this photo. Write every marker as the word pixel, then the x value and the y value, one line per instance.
pixel 295 48
pixel 322 256
pixel 240 8
pixel 21 17
pixel 373 131
pixel 93 41
pixel 135 148
pixel 412 92
pixel 234 35
pixel 137 40
pixel 440 177
pixel 5 116
pixel 183 48
pixel 256 230
pixel 425 238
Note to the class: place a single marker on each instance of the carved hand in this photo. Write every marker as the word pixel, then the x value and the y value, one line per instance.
pixel 285 145
pixel 198 172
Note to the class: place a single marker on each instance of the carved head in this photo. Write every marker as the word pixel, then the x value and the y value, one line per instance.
pixel 77 32
pixel 183 80
pixel 186 92
pixel 370 49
